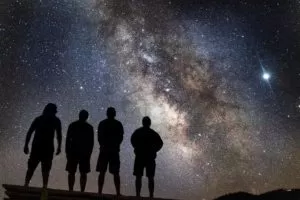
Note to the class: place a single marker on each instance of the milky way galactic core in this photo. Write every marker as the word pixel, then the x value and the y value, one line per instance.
pixel 218 80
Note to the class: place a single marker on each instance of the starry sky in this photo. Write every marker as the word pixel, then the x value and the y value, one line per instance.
pixel 220 80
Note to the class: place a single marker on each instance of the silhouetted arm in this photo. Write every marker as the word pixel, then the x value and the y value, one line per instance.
pixel 159 143
pixel 58 137
pixel 100 133
pixel 28 136
pixel 121 133
pixel 68 140
pixel 91 145
pixel 133 139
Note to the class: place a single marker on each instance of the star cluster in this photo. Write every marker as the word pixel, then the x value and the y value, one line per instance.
pixel 219 81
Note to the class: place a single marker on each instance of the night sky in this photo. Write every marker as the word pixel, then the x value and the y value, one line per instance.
pixel 220 80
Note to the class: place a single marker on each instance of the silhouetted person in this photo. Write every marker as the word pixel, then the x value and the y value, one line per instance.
pixel 42 148
pixel 79 148
pixel 110 136
pixel 146 143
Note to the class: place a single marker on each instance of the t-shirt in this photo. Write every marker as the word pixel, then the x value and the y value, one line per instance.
pixel 146 142
pixel 110 135
pixel 80 139
pixel 45 127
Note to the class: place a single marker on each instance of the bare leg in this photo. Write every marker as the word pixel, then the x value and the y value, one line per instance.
pixel 101 182
pixel 138 185
pixel 151 186
pixel 83 179
pixel 28 177
pixel 71 181
pixel 117 182
pixel 46 167
pixel 30 171
pixel 45 175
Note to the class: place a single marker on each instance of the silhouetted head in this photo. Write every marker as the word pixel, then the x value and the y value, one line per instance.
pixel 111 113
pixel 50 109
pixel 146 122
pixel 83 115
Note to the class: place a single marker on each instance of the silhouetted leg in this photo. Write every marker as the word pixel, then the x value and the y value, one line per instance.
pixel 151 186
pixel 117 182
pixel 138 185
pixel 32 165
pixel 28 177
pixel 45 174
pixel 71 181
pixel 83 178
pixel 46 167
pixel 101 182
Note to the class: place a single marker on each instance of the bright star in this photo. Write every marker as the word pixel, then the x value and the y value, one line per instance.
pixel 266 76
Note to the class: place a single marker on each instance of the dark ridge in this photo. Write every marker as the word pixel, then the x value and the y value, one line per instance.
pixel 281 194
pixel 237 196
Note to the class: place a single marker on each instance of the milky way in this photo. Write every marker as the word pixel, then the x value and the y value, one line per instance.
pixel 196 76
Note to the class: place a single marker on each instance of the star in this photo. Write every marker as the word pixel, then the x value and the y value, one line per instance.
pixel 266 76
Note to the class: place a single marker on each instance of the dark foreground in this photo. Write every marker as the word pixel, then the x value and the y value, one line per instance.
pixel 14 192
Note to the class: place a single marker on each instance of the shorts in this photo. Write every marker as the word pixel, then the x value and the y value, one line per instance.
pixel 45 158
pixel 108 158
pixel 141 163
pixel 73 162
